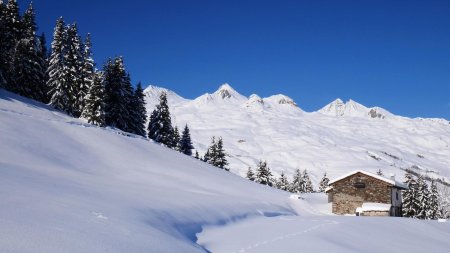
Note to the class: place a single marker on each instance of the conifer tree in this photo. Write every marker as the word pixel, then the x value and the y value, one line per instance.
pixel 197 156
pixel 411 205
pixel 43 63
pixel 11 30
pixel 176 139
pixel 138 112
pixel 423 197
pixel 297 185
pixel 221 156
pixel 3 53
pixel 307 186
pixel 87 71
pixel 160 125
pixel 28 75
pixel 323 183
pixel 211 152
pixel 94 109
pixel 434 211
pixel 263 174
pixel 57 83
pixel 283 182
pixel 117 94
pixel 186 146
pixel 72 71
pixel 250 175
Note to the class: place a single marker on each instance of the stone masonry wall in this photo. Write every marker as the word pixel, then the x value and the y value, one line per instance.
pixel 347 197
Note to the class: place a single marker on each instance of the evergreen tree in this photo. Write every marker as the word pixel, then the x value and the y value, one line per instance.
pixel 221 156
pixel 323 183
pixel 87 71
pixel 283 182
pixel 197 156
pixel 423 196
pixel 297 185
pixel 186 146
pixel 263 174
pixel 307 187
pixel 160 125
pixel 211 152
pixel 138 112
pixel 176 139
pixel 42 55
pixel 117 94
pixel 434 211
pixel 250 174
pixel 10 23
pixel 57 83
pixel 411 205
pixel 28 75
pixel 94 109
pixel 72 71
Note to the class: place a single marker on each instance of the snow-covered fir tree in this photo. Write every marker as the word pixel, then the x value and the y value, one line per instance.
pixel 197 155
pixel 423 197
pixel 72 71
pixel 139 113
pixel 28 75
pixel 221 155
pixel 323 183
pixel 57 83
pixel 283 183
pixel 263 174
pixel 250 175
pixel 3 53
pixel 297 184
pixel 160 126
pixel 210 154
pixel 308 187
pixel 94 109
pixel 434 210
pixel 87 71
pixel 10 28
pixel 117 94
pixel 411 205
pixel 176 138
pixel 186 146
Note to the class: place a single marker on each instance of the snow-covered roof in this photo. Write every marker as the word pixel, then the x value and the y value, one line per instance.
pixel 372 206
pixel 387 180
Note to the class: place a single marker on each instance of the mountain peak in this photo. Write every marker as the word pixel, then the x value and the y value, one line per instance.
pixel 225 91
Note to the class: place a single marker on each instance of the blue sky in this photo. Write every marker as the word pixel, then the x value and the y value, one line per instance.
pixel 393 54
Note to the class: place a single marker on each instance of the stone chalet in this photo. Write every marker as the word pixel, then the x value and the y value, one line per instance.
pixel 367 194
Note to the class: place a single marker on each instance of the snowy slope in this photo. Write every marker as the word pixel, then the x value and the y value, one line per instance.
pixel 339 138
pixel 67 186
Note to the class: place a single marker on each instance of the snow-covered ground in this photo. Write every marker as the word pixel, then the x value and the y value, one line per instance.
pixel 339 138
pixel 67 186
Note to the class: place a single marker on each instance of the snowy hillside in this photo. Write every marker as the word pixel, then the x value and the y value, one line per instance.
pixel 68 186
pixel 337 139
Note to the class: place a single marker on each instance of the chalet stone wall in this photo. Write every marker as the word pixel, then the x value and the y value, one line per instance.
pixel 347 197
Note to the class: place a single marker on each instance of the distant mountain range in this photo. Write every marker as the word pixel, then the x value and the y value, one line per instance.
pixel 340 137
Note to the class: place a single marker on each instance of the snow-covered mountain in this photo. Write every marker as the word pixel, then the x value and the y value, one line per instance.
pixel 337 139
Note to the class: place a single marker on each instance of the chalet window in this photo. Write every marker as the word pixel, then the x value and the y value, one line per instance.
pixel 396 195
pixel 359 183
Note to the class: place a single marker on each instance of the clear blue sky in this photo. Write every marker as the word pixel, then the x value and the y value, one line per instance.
pixel 393 54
